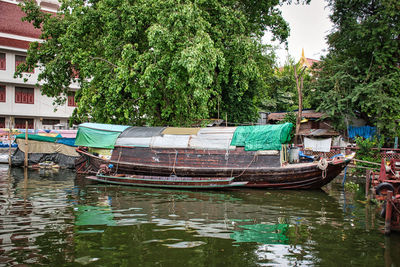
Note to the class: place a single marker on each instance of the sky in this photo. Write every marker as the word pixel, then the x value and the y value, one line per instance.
pixel 309 26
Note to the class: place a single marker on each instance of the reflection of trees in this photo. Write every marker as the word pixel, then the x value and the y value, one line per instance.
pixel 203 216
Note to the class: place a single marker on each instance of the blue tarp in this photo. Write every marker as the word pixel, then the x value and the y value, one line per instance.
pixel 363 131
pixel 67 141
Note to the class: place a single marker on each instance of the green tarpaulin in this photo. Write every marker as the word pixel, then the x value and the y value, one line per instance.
pixel 262 137
pixel 98 135
pixel 39 137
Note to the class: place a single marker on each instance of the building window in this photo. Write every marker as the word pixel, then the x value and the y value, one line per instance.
pixel 2 61
pixel 20 123
pixel 71 99
pixel 50 122
pixel 2 93
pixel 24 95
pixel 2 122
pixel 19 60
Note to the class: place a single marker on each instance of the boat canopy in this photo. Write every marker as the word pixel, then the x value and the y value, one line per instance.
pixel 98 135
pixel 261 137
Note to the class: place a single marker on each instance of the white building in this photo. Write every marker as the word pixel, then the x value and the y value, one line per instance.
pixel 22 101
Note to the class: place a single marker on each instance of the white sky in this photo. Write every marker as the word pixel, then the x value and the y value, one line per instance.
pixel 309 26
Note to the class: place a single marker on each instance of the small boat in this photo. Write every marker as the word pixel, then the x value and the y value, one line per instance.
pixel 256 155
pixel 45 165
pixel 169 182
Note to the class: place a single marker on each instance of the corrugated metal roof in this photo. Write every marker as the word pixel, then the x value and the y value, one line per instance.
pixel 308 114
pixel 318 132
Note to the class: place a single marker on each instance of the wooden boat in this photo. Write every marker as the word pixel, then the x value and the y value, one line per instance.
pixel 259 168
pixel 169 182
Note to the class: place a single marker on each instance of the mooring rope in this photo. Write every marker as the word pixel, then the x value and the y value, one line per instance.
pixel 173 167
pixel 247 166
pixel 323 165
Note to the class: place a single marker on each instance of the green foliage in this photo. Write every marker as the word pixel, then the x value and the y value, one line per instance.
pixel 157 62
pixel 290 117
pixel 360 76
pixel 281 93
pixel 351 186
pixel 368 150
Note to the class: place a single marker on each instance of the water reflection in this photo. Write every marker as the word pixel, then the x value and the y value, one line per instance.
pixel 55 218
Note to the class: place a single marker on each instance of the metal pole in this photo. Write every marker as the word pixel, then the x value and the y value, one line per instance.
pixel 388 215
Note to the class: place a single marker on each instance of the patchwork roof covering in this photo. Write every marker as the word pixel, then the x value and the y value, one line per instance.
pixel 264 137
pixel 195 138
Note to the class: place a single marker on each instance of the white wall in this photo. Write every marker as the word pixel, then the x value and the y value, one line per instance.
pixel 43 105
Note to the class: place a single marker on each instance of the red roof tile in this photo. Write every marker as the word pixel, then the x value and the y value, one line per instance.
pixel 10 21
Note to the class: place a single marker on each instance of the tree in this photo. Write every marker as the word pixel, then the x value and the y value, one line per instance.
pixel 281 93
pixel 156 62
pixel 360 75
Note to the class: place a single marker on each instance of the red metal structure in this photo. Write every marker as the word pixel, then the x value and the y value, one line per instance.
pixel 386 187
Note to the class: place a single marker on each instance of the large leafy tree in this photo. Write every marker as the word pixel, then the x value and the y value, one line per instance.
pixel 156 62
pixel 360 76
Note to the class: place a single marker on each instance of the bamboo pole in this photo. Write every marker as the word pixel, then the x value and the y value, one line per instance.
pixel 26 144
pixel 9 143
pixel 362 167
pixel 364 161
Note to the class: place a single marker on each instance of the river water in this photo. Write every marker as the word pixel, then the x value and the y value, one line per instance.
pixel 58 219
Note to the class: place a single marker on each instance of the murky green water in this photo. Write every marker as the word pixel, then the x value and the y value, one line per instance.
pixel 54 219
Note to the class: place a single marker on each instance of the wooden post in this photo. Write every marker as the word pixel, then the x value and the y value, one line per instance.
pixel 300 93
pixel 367 183
pixel 9 144
pixel 388 215
pixel 26 144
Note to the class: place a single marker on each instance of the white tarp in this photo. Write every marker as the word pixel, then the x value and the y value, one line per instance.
pixel 134 141
pixel 170 141
pixel 318 145
pixel 212 138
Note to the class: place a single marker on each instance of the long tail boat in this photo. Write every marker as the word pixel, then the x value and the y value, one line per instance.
pixel 256 155
pixel 167 182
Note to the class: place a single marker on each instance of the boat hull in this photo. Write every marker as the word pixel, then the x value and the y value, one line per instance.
pixel 259 170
